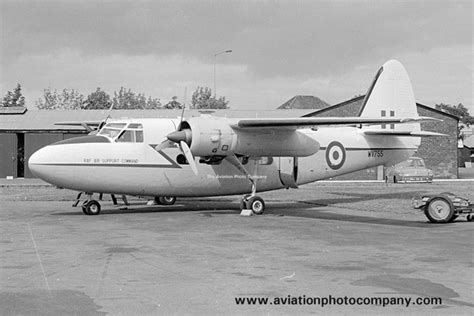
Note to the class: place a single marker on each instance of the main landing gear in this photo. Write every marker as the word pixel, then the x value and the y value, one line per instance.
pixel 249 201
pixel 165 200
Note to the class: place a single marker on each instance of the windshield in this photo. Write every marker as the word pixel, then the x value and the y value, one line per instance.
pixel 112 129
pixel 412 163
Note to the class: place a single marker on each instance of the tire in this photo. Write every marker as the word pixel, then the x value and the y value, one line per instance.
pixel 167 200
pixel 91 208
pixel 84 210
pixel 470 218
pixel 439 210
pixel 243 202
pixel 395 179
pixel 256 204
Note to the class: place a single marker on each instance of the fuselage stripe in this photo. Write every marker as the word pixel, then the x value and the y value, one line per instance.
pixel 109 165
pixel 371 148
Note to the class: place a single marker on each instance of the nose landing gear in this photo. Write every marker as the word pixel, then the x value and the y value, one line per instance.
pixel 91 207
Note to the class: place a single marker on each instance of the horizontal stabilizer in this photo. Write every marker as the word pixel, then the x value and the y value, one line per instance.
pixel 307 122
pixel 380 132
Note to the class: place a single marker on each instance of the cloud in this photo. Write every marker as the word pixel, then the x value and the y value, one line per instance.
pixel 330 49
pixel 279 38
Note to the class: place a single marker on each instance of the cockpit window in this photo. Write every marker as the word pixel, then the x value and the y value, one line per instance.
pixel 116 125
pixel 132 134
pixel 109 132
pixel 135 126
pixel 125 137
pixel 112 129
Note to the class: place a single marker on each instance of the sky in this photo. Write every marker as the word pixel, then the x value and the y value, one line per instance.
pixel 329 49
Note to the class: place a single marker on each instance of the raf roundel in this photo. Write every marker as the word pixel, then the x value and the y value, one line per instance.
pixel 335 155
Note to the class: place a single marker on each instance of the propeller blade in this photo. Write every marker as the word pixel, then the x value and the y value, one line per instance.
pixel 164 144
pixel 189 156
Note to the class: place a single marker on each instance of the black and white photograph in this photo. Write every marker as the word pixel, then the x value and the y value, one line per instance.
pixel 236 157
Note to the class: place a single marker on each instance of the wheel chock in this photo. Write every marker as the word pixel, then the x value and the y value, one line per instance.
pixel 246 213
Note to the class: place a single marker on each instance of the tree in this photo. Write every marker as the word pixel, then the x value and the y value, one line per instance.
pixel 203 99
pixel 66 100
pixel 461 112
pixel 14 98
pixel 153 103
pixel 97 100
pixel 127 99
pixel 173 104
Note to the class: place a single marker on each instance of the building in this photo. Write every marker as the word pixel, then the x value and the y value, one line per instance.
pixel 304 102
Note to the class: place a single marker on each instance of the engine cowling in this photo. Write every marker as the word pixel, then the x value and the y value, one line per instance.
pixel 209 136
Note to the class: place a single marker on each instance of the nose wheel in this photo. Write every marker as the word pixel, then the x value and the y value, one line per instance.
pixel 91 207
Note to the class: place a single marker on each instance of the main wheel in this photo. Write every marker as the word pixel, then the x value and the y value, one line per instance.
pixel 91 207
pixel 470 218
pixel 167 200
pixel 439 210
pixel 256 204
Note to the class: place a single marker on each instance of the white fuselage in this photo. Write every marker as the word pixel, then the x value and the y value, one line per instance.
pixel 136 168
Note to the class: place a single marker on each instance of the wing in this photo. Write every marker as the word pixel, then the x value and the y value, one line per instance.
pixel 401 133
pixel 307 122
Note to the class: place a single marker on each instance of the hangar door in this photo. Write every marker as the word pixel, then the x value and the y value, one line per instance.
pixel 8 155
pixel 289 171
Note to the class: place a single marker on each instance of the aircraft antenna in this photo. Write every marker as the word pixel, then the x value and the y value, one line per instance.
pixel 184 107
pixel 109 112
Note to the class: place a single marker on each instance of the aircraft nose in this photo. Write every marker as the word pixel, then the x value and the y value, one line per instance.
pixel 37 161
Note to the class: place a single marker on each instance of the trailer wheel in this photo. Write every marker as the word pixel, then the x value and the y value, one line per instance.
pixel 439 210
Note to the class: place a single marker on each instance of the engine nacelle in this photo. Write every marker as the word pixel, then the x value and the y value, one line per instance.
pixel 210 136
pixel 214 136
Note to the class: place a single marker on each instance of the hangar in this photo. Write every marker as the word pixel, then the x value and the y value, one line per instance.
pixel 23 131
pixel 439 153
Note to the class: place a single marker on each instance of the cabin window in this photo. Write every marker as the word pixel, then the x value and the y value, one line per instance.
pixel 265 161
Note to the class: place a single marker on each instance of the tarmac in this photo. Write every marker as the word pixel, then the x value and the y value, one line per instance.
pixel 198 256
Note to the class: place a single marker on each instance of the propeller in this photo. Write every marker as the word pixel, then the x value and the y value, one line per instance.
pixel 167 143
pixel 189 156
pixel 182 137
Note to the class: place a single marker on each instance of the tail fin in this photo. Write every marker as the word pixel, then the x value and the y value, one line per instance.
pixel 391 94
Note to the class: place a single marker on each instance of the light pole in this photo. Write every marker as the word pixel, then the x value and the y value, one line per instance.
pixel 215 58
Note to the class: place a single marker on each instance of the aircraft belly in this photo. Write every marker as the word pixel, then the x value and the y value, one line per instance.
pixel 156 182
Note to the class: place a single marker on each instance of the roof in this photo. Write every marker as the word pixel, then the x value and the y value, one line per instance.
pixel 304 102
pixel 5 110
pixel 469 141
pixel 43 120
pixel 360 99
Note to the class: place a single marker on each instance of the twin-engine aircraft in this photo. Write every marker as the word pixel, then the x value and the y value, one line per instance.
pixel 213 156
